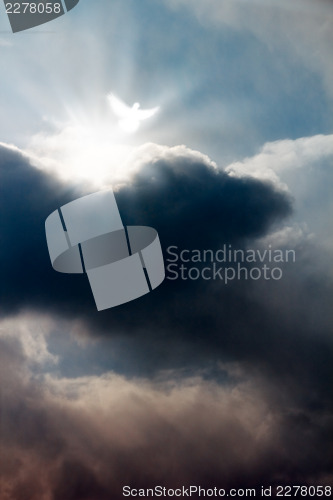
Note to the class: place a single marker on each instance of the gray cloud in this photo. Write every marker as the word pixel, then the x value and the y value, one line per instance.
pixel 190 323
pixel 187 200
pixel 217 385
pixel 92 434
pixel 87 437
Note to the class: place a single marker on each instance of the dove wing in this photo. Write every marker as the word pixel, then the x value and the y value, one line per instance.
pixel 119 107
pixel 143 114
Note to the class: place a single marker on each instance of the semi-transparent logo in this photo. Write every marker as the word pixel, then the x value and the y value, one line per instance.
pixel 88 236
pixel 25 15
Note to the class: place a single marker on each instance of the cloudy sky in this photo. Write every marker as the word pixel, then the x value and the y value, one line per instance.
pixel 199 382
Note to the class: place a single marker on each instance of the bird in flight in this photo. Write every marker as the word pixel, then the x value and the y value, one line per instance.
pixel 129 117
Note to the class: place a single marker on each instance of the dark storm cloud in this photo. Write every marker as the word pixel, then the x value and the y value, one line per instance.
pixel 182 323
pixel 87 438
pixel 194 205
pixel 186 200
pixel 91 436
pixel 27 196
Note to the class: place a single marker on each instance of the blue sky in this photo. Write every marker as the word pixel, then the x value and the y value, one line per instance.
pixel 225 89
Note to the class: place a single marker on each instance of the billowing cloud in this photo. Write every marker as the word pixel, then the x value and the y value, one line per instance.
pixel 201 381
pixel 175 191
pixel 87 437
pixel 29 334
pixel 304 168
pixel 231 382
pixel 279 157
pixel 193 205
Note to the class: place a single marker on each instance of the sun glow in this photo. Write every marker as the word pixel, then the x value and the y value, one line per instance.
pixel 96 145
pixel 99 153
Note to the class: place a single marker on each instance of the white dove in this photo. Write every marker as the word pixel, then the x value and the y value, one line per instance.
pixel 129 118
